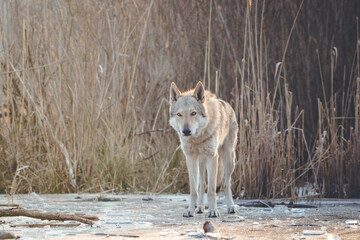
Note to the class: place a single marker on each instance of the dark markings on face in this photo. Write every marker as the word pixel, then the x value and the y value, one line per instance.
pixel 187 102
pixel 199 108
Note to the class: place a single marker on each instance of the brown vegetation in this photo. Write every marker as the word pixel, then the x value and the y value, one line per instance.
pixel 85 93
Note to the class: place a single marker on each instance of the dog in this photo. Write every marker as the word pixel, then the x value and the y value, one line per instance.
pixel 207 129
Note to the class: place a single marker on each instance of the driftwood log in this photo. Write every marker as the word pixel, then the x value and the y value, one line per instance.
pixel 47 215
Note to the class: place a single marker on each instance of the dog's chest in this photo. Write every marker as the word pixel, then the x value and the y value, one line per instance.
pixel 208 147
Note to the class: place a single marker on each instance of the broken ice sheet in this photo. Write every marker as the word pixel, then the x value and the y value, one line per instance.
pixel 296 210
pixel 233 218
pixel 218 236
pixel 351 222
pixel 169 232
pixel 351 226
pixel 313 232
pixel 54 233
pixel 198 233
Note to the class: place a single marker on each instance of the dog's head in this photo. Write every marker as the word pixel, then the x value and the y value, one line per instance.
pixel 188 114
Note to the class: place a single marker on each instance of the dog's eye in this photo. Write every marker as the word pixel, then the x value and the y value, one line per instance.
pixel 179 114
pixel 193 113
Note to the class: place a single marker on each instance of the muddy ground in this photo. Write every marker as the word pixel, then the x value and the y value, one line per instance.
pixel 160 217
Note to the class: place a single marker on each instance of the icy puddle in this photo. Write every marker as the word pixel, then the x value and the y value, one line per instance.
pixel 160 217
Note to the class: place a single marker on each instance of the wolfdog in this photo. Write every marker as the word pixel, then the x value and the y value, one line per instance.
pixel 207 129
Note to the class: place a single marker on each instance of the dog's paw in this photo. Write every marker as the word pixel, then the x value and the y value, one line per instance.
pixel 188 213
pixel 231 210
pixel 214 213
pixel 200 210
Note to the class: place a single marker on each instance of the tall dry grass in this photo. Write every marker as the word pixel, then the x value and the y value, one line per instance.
pixel 88 122
pixel 85 95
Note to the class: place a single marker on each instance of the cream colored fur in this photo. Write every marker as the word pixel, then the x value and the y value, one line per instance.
pixel 207 129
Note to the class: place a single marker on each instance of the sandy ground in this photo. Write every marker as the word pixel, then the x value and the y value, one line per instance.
pixel 160 217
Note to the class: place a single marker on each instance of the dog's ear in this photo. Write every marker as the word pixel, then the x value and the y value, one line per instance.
pixel 174 93
pixel 199 92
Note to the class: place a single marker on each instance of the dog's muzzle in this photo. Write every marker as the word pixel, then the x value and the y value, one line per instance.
pixel 186 131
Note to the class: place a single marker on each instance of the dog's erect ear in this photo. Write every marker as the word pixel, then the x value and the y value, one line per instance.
pixel 199 92
pixel 174 93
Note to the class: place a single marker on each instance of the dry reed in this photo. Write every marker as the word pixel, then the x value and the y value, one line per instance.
pixel 85 96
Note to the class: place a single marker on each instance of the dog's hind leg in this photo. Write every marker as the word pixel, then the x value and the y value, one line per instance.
pixel 228 157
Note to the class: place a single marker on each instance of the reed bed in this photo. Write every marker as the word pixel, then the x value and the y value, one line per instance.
pixel 85 94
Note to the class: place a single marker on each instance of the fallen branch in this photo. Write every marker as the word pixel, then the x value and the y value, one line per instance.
pixel 83 215
pixel 9 205
pixel 268 204
pixel 261 204
pixel 45 215
pixel 296 205
pixel 47 224
pixel 100 199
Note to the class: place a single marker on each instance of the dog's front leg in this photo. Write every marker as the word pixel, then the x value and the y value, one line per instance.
pixel 202 185
pixel 192 164
pixel 212 167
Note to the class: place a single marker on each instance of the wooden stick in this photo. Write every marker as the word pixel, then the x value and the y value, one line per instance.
pixel 47 224
pixel 43 215
pixel 83 215
pixel 9 205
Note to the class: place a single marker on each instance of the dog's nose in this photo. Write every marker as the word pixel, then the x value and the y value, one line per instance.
pixel 186 131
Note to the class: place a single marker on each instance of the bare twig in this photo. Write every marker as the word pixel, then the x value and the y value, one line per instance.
pixel 151 156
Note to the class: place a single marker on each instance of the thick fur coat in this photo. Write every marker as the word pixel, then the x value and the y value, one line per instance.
pixel 207 129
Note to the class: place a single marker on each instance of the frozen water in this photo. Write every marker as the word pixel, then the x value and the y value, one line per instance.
pixel 352 222
pixel 313 232
pixel 160 217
